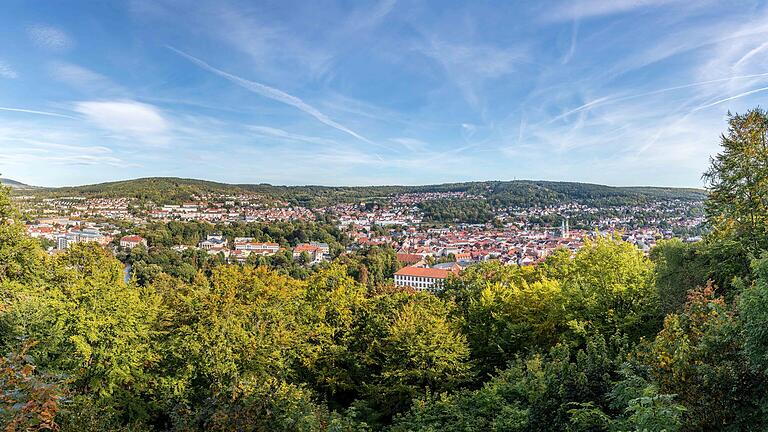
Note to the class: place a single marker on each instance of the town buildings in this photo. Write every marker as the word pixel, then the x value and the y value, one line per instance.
pixel 518 236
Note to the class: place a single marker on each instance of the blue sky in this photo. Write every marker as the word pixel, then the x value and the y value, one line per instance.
pixel 390 92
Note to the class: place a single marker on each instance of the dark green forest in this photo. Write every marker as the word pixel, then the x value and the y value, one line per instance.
pixel 525 193
pixel 607 339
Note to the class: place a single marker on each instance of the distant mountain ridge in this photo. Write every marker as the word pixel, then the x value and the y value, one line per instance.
pixel 497 193
pixel 14 184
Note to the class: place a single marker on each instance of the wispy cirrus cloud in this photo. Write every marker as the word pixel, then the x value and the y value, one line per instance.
pixel 274 94
pixel 85 79
pixel 411 144
pixel 49 37
pixel 583 9
pixel 7 72
pixel 126 117
pixel 621 98
pixel 469 66
pixel 730 98
pixel 368 17
pixel 24 144
pixel 271 132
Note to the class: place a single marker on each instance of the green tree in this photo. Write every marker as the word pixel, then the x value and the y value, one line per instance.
pixel 698 356
pixel 332 305
pixel 236 328
pixel 90 326
pixel 505 311
pixel 753 314
pixel 548 392
pixel 20 256
pixel 608 288
pixel 738 181
pixel 678 269
pixel 409 347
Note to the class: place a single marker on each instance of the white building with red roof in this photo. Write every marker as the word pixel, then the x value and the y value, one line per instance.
pixel 315 252
pixel 258 247
pixel 131 241
pixel 423 278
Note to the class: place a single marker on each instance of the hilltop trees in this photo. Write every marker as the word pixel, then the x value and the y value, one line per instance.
pixel 19 255
pixel 87 325
pixel 738 181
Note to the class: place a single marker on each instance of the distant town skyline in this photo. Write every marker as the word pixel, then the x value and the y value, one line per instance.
pixel 374 93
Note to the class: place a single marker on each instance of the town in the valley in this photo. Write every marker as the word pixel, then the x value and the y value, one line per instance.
pixel 427 251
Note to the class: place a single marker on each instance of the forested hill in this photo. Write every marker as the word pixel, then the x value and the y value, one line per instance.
pixel 13 184
pixel 497 193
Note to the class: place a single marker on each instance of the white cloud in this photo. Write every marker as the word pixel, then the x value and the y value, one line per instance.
pixel 49 37
pixel 126 117
pixel 7 71
pixel 84 79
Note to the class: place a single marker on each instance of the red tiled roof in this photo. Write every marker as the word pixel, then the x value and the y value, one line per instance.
pixel 409 258
pixel 306 248
pixel 132 238
pixel 258 244
pixel 424 272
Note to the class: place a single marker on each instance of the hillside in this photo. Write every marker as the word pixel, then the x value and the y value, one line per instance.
pixel 13 184
pixel 157 189
pixel 497 193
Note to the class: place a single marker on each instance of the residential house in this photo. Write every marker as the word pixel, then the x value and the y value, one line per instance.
pixel 131 241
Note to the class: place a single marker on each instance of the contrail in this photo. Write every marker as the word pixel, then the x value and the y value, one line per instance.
pixel 603 100
pixel 582 108
pixel 272 93
pixel 45 113
pixel 730 98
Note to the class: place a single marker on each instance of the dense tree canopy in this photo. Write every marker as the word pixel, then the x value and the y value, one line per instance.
pixel 738 180
pixel 606 339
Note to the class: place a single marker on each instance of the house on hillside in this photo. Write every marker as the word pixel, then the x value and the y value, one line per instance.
pixel 324 248
pixel 315 253
pixel 131 241
pixel 409 259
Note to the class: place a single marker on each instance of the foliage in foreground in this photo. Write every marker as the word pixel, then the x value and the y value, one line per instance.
pixel 606 340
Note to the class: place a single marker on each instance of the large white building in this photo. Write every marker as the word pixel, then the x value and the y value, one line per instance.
pixel 423 278
pixel 214 243
pixel 85 235
pixel 258 247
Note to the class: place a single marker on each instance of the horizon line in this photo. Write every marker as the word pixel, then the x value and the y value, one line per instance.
pixel 702 187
